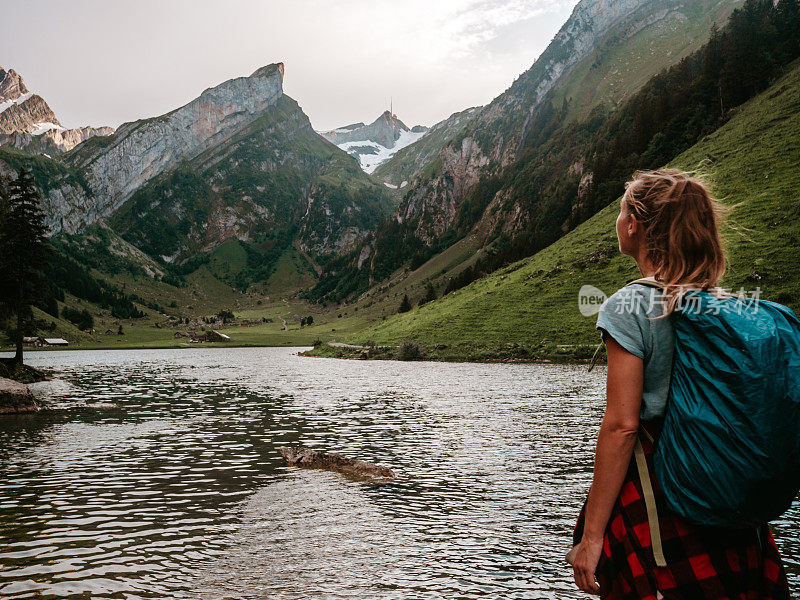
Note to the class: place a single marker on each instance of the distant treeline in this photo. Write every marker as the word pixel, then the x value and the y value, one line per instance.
pixel 63 274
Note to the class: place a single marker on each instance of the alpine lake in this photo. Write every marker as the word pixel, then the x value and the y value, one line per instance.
pixel 179 492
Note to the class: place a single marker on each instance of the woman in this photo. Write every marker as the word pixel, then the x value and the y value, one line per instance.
pixel 669 224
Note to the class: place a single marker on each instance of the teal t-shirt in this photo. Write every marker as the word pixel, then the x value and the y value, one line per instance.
pixel 628 317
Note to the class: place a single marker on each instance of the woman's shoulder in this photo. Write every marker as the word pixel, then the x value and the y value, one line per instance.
pixel 634 299
pixel 629 316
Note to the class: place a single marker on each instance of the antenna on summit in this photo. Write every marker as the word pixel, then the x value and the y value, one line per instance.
pixel 391 109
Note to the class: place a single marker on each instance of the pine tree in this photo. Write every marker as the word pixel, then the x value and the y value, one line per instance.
pixel 713 63
pixel 787 22
pixel 405 305
pixel 5 282
pixel 23 250
pixel 430 293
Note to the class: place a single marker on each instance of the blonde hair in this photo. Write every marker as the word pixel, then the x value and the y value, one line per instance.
pixel 681 222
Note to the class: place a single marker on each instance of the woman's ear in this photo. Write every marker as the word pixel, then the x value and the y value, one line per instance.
pixel 633 226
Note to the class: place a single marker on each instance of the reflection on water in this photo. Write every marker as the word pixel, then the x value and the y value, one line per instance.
pixel 179 492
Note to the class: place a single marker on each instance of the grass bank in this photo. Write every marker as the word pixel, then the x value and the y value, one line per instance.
pixel 410 350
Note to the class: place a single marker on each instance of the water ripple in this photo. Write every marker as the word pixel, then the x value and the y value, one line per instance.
pixel 179 493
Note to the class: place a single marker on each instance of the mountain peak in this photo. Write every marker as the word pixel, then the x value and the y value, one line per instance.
pixel 11 85
pixel 28 123
pixel 269 70
pixel 391 120
pixel 21 109
pixel 377 142
pixel 141 150
pixel 251 94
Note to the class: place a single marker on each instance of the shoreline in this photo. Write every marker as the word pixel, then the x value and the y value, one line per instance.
pixel 491 355
pixel 550 354
pixel 155 347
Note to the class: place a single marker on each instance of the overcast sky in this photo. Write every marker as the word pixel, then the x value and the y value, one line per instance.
pixel 104 62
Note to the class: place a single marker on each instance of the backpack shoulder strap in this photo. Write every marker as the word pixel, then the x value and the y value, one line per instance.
pixel 647 282
pixel 649 501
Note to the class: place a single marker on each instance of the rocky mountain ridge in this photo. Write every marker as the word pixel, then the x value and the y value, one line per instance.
pixel 28 123
pixel 21 109
pixel 408 161
pixel 139 151
pixel 236 177
pixel 274 182
pixel 51 141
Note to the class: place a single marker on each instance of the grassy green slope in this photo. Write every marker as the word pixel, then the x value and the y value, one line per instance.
pixel 752 160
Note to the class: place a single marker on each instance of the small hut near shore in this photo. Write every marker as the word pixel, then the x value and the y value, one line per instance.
pixel 216 336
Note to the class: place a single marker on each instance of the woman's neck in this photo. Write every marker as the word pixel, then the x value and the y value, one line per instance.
pixel 647 272
pixel 645 266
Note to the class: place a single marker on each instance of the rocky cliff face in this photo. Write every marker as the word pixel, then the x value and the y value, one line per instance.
pixel 374 144
pixel 273 183
pixel 122 163
pixel 67 139
pixel 53 140
pixel 429 208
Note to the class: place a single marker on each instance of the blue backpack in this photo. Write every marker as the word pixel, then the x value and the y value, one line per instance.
pixel 729 451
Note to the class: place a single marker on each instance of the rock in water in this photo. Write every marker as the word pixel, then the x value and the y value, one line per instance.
pixel 102 405
pixel 16 398
pixel 301 456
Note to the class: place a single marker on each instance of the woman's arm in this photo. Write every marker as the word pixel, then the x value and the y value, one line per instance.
pixel 614 448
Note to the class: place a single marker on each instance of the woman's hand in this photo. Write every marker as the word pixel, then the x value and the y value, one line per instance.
pixel 586 556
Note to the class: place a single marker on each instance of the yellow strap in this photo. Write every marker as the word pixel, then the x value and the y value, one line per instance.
pixel 650 504
pixel 648 282
pixel 595 356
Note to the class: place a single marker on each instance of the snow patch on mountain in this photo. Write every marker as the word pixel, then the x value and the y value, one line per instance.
pixel 372 145
pixel 40 128
pixel 19 100
pixel 371 154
